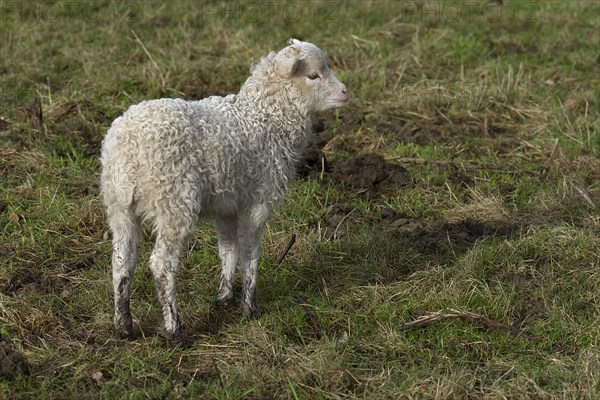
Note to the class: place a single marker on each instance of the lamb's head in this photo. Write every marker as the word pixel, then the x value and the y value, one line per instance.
pixel 304 65
pixel 300 73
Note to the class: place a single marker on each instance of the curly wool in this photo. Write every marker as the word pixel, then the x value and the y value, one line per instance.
pixel 213 156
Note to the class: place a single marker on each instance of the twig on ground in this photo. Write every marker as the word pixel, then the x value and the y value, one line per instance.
pixel 285 251
pixel 311 316
pixel 546 170
pixel 218 370
pixel 34 111
pixel 585 194
pixel 453 313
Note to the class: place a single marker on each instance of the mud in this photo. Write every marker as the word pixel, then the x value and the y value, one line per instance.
pixel 31 279
pixel 417 133
pixel 458 176
pixel 28 280
pixel 86 336
pixel 370 173
pixel 314 163
pixel 518 48
pixel 79 263
pixel 12 363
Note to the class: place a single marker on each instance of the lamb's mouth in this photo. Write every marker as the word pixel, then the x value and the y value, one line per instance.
pixel 340 103
pixel 343 101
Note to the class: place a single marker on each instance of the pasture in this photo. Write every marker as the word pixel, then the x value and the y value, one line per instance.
pixel 446 222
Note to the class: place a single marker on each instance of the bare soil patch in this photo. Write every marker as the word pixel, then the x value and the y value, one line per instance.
pixel 314 163
pixel 369 172
pixel 12 362
pixel 30 280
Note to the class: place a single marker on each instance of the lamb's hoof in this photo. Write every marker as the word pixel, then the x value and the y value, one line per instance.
pixel 174 338
pixel 226 302
pixel 224 297
pixel 125 332
pixel 250 311
pixel 124 327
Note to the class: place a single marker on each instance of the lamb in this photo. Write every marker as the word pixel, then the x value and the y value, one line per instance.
pixel 231 159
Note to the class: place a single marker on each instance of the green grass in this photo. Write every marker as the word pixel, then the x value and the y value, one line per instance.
pixel 495 113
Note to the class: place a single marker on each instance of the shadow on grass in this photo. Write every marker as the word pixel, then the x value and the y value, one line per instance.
pixel 386 252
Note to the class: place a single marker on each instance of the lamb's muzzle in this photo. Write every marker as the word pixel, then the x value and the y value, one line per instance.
pixel 169 161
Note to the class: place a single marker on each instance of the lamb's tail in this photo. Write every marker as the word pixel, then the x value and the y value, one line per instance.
pixel 119 169
pixel 118 184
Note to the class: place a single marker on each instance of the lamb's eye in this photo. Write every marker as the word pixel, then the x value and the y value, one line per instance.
pixel 312 77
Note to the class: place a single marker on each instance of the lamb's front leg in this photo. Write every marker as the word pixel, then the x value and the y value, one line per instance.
pixel 251 224
pixel 228 252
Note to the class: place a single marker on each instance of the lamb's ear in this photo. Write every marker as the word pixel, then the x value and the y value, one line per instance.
pixel 287 62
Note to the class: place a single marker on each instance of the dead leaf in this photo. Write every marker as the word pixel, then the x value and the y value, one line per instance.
pixel 98 376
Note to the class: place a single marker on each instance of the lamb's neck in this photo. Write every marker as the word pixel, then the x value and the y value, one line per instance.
pixel 291 128
pixel 274 96
pixel 287 121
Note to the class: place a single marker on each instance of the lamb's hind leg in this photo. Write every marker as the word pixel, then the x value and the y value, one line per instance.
pixel 164 263
pixel 125 227
pixel 251 224
pixel 228 252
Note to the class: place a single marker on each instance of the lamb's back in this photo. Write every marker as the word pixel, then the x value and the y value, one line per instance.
pixel 197 155
pixel 170 148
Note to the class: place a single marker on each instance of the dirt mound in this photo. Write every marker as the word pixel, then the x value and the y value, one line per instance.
pixel 314 163
pixel 369 171
pixel 12 363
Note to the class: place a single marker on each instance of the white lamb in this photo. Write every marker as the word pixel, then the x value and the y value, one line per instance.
pixel 169 161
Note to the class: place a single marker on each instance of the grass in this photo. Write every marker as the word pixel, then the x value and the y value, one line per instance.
pixel 494 110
